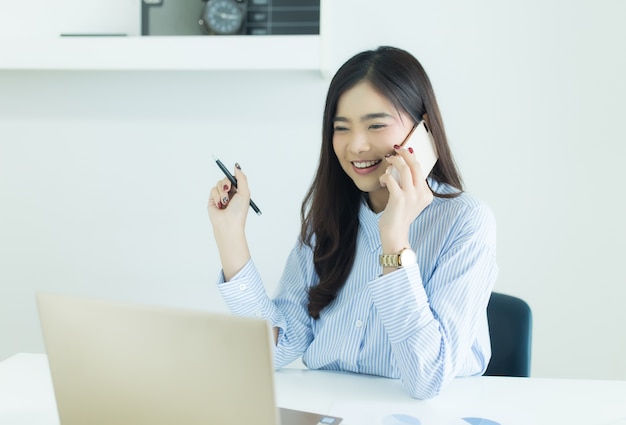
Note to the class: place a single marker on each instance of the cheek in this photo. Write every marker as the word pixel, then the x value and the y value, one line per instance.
pixel 385 141
pixel 337 145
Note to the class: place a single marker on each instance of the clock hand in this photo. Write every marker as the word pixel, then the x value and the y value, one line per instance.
pixel 227 16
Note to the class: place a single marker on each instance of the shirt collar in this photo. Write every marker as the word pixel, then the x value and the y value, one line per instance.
pixel 368 220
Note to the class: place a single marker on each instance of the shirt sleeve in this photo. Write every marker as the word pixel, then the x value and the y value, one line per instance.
pixel 245 295
pixel 433 331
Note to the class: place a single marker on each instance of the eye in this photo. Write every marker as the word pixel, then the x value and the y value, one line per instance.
pixel 339 128
pixel 377 126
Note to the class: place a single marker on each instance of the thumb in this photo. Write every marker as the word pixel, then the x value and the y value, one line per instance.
pixel 242 181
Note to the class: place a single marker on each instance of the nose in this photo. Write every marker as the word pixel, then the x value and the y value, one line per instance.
pixel 358 143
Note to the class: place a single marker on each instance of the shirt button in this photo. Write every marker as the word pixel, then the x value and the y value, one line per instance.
pixel 242 286
pixel 358 324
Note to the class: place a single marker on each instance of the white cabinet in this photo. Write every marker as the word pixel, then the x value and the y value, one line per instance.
pixel 302 52
pixel 45 49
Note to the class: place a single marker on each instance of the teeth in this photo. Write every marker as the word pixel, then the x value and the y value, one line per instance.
pixel 365 164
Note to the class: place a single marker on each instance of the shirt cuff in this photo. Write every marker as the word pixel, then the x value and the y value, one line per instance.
pixel 401 302
pixel 245 295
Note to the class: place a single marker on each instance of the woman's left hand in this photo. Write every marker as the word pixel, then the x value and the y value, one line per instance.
pixel 407 199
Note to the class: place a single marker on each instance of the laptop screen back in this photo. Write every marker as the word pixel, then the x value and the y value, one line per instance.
pixel 114 363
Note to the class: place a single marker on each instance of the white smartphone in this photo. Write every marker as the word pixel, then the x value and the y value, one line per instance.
pixel 423 144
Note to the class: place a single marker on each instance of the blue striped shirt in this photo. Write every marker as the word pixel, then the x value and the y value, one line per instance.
pixel 424 324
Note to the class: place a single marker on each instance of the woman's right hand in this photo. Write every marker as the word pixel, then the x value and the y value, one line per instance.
pixel 228 210
pixel 228 205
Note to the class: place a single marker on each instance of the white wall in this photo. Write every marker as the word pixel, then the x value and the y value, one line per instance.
pixel 104 175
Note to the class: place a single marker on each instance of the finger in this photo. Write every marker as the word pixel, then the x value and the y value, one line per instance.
pixel 389 181
pixel 416 167
pixel 402 168
pixel 413 163
pixel 215 199
pixel 242 182
pixel 423 194
pixel 223 188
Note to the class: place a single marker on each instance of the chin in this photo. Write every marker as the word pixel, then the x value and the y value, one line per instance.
pixel 368 187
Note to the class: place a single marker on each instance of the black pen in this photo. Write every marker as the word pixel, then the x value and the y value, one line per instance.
pixel 233 180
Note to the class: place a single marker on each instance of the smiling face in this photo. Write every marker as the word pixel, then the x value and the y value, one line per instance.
pixel 366 126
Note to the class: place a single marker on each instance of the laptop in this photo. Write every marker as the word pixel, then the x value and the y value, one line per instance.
pixel 115 363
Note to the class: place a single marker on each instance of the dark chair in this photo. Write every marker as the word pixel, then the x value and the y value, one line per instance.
pixel 510 328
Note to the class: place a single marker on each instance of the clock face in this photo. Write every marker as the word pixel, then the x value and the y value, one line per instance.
pixel 224 16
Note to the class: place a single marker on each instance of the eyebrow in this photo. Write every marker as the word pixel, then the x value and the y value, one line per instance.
pixel 367 117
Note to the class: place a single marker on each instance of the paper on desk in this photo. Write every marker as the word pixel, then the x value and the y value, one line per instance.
pixel 411 413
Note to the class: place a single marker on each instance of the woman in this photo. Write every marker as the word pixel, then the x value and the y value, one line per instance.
pixel 423 322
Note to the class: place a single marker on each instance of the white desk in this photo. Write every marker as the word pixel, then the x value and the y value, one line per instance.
pixel 26 397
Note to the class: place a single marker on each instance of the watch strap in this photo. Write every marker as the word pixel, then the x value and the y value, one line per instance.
pixel 390 260
pixel 396 260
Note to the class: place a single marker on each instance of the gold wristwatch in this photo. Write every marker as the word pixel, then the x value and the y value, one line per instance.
pixel 404 258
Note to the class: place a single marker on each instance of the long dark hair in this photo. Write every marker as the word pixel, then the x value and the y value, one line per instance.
pixel 330 209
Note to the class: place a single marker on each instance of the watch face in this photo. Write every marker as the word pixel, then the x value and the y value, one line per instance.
pixel 223 16
pixel 407 257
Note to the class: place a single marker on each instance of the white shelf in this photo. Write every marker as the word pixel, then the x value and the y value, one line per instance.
pixel 293 52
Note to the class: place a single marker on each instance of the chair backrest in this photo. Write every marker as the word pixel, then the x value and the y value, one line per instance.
pixel 510 329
